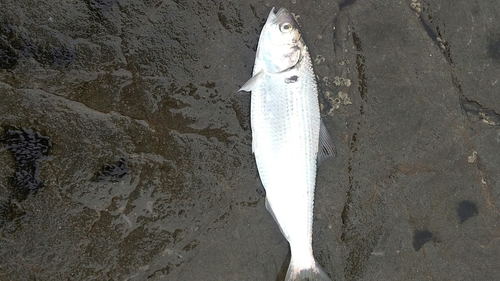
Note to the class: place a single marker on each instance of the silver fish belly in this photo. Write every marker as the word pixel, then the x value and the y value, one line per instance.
pixel 288 136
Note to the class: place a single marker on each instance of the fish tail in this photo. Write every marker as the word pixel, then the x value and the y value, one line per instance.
pixel 310 273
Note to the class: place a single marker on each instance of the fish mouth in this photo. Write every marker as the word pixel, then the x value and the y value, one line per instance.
pixel 280 11
pixel 282 16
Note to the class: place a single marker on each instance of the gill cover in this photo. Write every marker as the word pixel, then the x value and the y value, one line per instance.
pixel 280 44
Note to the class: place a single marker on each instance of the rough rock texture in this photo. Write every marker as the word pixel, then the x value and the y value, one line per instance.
pixel 147 89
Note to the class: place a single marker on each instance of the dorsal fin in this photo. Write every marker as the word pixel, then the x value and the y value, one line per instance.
pixel 326 148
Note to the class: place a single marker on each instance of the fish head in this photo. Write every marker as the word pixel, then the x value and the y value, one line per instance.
pixel 280 43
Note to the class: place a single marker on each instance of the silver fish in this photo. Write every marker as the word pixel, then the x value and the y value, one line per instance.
pixel 288 135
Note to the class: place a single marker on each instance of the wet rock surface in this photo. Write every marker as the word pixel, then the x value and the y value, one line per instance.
pixel 28 148
pixel 150 174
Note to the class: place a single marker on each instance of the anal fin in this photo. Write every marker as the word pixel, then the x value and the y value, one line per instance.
pixel 270 209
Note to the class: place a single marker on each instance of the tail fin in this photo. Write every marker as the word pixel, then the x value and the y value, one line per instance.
pixel 313 273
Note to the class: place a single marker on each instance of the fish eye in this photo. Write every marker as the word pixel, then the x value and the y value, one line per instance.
pixel 286 27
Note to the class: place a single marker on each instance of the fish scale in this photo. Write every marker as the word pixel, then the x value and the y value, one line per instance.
pixel 286 134
pixel 285 126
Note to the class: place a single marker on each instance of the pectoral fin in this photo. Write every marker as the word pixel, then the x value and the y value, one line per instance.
pixel 252 83
pixel 326 147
